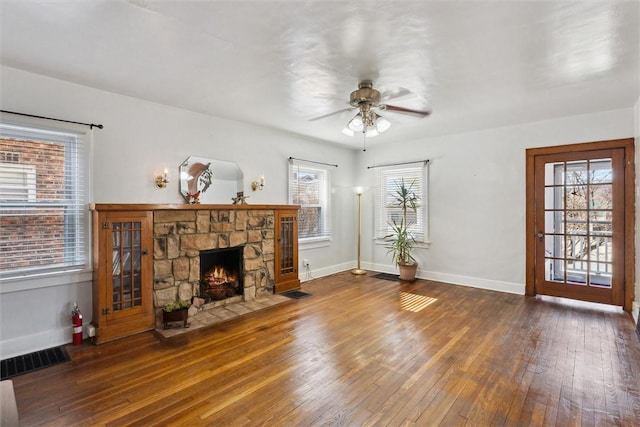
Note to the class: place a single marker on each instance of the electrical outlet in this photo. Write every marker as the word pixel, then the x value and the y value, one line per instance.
pixel 305 263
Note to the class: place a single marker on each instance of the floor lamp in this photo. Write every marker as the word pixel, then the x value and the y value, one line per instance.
pixel 358 271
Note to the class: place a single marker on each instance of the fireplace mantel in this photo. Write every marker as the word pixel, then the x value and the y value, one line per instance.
pixel 182 206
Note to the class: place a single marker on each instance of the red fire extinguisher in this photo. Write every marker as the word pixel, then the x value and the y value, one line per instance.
pixel 76 320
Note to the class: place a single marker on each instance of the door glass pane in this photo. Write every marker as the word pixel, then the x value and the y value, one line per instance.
pixel 554 246
pixel 554 174
pixel 577 197
pixel 576 173
pixel 600 274
pixel 551 225
pixel 602 248
pixel 600 223
pixel 601 196
pixel 556 270
pixel 554 198
pixel 577 253
pixel 576 222
pixel 601 171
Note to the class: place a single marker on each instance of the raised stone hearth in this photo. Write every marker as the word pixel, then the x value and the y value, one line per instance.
pixel 180 235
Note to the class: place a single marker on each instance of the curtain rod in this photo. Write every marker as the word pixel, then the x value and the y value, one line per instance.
pixel 91 125
pixel 311 161
pixel 398 164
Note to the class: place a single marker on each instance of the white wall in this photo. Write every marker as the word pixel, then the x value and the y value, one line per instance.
pixel 139 139
pixel 477 196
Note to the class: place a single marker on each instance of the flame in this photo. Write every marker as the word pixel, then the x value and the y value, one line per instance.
pixel 219 275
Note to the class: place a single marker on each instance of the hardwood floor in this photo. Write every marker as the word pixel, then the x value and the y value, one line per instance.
pixel 354 354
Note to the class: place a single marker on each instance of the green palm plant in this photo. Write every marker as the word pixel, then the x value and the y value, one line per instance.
pixel 400 242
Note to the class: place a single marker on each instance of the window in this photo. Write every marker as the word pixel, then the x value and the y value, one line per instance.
pixel 309 188
pixel 43 202
pixel 386 185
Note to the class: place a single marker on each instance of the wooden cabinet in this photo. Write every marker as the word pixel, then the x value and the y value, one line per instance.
pixel 123 273
pixel 286 262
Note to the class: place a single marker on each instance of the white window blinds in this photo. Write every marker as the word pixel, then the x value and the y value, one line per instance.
pixel 309 188
pixel 43 202
pixel 387 180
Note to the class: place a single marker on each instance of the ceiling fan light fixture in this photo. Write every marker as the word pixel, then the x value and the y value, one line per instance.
pixel 348 131
pixel 356 124
pixel 371 132
pixel 379 123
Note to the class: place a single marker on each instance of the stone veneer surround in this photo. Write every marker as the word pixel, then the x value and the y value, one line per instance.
pixel 180 235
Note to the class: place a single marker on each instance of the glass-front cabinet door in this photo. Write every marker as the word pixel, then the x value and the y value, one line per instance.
pixel 286 231
pixel 125 274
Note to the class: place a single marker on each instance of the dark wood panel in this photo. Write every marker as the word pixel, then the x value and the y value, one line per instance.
pixel 352 355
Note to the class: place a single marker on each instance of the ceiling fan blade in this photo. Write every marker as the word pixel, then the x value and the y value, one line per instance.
pixel 331 114
pixel 409 111
pixel 388 95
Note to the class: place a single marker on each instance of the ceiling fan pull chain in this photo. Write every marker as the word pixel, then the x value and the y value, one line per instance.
pixel 364 141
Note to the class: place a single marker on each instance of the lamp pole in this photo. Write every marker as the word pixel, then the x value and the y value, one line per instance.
pixel 358 271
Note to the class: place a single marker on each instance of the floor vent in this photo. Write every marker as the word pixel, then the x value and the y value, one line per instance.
pixel 33 361
pixel 387 276
pixel 296 294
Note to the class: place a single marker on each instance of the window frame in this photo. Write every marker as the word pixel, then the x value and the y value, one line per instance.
pixel 79 268
pixel 383 212
pixel 324 226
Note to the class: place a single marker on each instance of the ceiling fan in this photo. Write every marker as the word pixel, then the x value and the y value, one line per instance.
pixel 367 121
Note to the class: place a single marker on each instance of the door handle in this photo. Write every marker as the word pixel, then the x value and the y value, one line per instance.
pixel 540 235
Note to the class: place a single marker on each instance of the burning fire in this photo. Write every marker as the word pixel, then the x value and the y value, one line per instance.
pixel 218 275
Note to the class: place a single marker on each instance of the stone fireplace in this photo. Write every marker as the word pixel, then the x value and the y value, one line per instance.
pixel 182 235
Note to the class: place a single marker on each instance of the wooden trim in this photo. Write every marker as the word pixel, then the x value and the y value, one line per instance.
pixel 629 221
pixel 530 220
pixel 181 206
pixel 629 214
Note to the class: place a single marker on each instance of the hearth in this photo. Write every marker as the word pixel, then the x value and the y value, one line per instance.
pixel 221 274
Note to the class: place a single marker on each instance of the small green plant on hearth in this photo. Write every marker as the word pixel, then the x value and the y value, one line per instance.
pixel 176 306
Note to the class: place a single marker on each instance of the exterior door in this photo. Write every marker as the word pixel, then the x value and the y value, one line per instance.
pixel 579 217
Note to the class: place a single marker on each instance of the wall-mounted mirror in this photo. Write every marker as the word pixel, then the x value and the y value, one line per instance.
pixel 211 181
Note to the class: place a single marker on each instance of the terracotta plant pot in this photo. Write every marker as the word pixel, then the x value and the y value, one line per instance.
pixel 408 272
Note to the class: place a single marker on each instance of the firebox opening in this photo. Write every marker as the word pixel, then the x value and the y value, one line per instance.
pixel 221 273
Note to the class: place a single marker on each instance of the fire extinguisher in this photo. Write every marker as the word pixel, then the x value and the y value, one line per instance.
pixel 76 320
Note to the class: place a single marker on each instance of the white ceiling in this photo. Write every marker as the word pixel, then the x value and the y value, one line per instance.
pixel 475 64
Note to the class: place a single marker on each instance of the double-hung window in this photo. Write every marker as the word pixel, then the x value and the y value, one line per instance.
pixel 387 181
pixel 43 201
pixel 309 188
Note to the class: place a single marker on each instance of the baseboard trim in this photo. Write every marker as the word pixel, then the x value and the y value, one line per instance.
pixel 325 271
pixel 473 282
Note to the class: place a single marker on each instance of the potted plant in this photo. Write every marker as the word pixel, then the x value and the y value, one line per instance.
pixel 400 242
pixel 175 311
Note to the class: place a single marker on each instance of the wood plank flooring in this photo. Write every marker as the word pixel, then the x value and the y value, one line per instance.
pixel 353 354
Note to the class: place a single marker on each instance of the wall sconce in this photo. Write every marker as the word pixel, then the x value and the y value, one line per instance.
pixel 163 180
pixel 258 185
